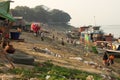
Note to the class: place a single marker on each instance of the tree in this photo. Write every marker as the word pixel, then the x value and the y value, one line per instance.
pixel 42 14
pixel 23 11
pixel 59 17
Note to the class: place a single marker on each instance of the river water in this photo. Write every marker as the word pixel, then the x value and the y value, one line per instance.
pixel 113 29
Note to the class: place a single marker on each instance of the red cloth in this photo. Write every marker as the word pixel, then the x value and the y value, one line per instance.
pixel 35 27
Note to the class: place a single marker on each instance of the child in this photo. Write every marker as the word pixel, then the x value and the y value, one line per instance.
pixel 111 59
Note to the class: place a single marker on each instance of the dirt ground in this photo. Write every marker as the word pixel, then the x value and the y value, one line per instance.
pixel 69 56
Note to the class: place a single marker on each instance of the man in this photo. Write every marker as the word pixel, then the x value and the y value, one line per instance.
pixel 105 58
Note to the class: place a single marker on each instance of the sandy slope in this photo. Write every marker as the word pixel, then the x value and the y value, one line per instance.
pixel 67 53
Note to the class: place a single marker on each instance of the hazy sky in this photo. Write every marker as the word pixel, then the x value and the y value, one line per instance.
pixel 106 12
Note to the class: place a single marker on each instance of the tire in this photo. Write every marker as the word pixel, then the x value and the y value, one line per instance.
pixel 23 59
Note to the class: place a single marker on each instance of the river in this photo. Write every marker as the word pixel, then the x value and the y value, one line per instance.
pixel 113 29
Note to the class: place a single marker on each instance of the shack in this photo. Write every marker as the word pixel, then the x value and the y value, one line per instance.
pixel 6 20
pixel 19 22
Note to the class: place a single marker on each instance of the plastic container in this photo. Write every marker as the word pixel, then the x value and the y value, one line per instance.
pixel 15 35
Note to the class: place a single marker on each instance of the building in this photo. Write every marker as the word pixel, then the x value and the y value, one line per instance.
pixel 19 22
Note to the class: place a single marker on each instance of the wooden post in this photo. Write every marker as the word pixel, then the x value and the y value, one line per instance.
pixel 6 31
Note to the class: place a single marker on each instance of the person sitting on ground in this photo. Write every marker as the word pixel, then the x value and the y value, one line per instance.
pixel 9 48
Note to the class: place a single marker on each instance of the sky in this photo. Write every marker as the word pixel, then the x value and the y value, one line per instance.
pixel 82 12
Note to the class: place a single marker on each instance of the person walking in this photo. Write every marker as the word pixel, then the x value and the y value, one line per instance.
pixel 62 41
pixel 42 36
pixel 53 37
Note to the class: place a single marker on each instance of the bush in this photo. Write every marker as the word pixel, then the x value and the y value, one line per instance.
pixel 41 70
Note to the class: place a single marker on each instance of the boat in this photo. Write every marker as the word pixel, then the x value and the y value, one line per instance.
pixel 101 46
pixel 115 49
pixel 115 52
pixel 100 50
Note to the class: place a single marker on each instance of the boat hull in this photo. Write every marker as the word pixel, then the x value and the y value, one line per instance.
pixel 116 53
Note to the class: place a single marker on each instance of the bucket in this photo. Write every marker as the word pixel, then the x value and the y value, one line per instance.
pixel 15 35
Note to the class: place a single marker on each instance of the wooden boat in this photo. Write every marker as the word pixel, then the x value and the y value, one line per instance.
pixel 115 52
pixel 100 50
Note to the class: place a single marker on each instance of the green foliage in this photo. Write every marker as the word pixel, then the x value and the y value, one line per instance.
pixel 59 17
pixel 42 14
pixel 1 64
pixel 41 70
pixel 16 71
pixel 94 49
pixel 25 73
pixel 1 71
